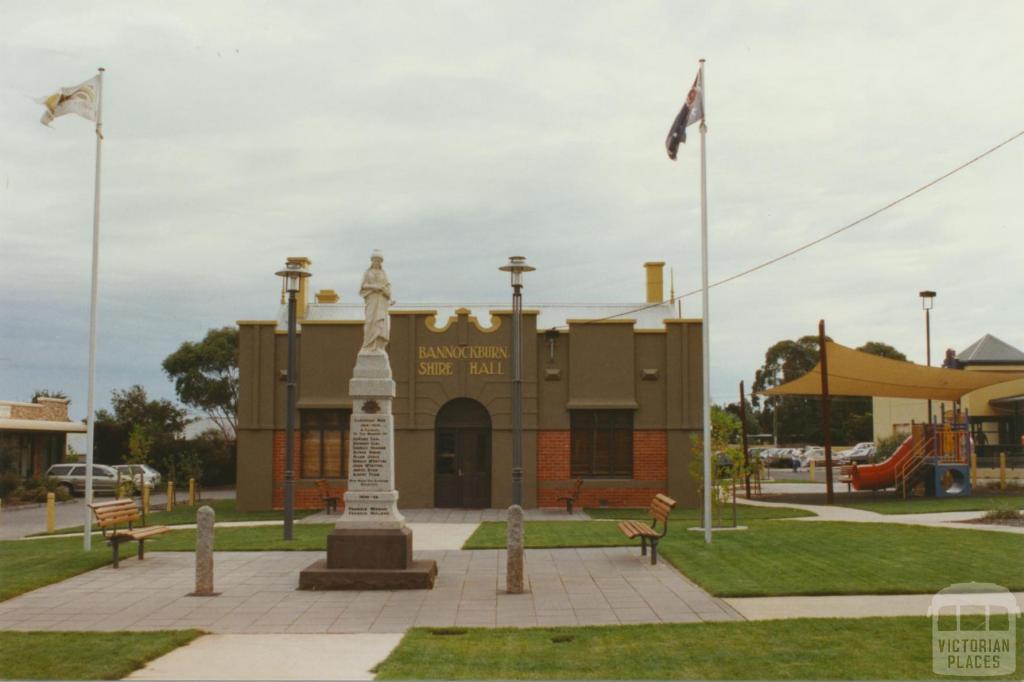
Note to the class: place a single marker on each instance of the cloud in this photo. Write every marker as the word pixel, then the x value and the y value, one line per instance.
pixel 453 134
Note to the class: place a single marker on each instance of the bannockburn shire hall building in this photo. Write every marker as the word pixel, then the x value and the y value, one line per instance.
pixel 611 395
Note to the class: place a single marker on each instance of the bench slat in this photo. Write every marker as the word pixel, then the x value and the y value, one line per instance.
pixel 144 533
pixel 634 529
pixel 121 501
pixel 665 499
pixel 114 511
pixel 105 521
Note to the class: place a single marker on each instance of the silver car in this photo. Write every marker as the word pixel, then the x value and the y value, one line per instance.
pixel 139 473
pixel 72 478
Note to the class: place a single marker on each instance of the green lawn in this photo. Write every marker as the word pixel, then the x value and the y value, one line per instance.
pixel 246 539
pixel 547 534
pixel 83 655
pixel 29 564
pixel 923 505
pixel 225 510
pixel 691 517
pixel 775 558
pixel 802 649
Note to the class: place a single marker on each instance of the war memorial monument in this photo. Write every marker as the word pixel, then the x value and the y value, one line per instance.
pixel 371 547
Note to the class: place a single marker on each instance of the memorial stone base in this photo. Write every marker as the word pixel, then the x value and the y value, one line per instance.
pixel 370 547
pixel 361 559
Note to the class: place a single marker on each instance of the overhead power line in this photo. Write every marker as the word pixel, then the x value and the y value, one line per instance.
pixel 833 233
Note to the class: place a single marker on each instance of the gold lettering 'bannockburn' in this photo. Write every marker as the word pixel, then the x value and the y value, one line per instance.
pixel 481 360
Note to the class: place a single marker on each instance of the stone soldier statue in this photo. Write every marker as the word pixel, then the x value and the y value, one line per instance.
pixel 376 291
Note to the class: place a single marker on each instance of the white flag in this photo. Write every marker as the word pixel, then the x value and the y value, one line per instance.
pixel 82 99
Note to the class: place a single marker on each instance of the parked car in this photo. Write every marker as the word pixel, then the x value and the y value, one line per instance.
pixel 812 452
pixel 142 474
pixel 723 464
pixel 860 453
pixel 72 478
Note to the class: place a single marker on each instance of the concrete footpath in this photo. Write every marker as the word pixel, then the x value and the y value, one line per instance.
pixel 954 519
pixel 273 657
pixel 849 606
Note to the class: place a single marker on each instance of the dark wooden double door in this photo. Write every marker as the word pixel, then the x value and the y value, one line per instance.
pixel 462 455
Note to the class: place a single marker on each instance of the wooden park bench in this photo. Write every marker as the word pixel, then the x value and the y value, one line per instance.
pixel 115 513
pixel 846 476
pixel 661 507
pixel 570 500
pixel 328 497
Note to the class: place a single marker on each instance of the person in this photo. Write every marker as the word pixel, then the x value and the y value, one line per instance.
pixel 376 292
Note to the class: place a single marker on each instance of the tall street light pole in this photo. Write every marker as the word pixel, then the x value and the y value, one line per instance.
pixel 293 274
pixel 517 266
pixel 927 302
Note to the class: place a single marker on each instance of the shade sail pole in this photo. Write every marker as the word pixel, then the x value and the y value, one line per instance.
pixel 743 432
pixel 826 412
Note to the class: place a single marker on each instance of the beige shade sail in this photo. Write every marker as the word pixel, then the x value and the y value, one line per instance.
pixel 852 372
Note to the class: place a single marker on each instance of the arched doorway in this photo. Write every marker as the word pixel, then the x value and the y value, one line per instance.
pixel 462 455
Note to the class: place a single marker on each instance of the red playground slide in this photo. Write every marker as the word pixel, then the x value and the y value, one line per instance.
pixel 883 474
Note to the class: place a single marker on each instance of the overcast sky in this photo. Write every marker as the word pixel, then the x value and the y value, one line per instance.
pixel 452 135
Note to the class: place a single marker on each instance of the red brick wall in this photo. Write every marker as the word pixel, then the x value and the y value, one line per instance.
pixel 305 497
pixel 650 456
pixel 650 463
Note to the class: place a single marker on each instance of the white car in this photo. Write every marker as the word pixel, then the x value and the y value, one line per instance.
pixel 148 475
pixel 813 452
pixel 859 453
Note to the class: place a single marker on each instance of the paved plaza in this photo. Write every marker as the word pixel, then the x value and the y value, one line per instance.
pixel 600 586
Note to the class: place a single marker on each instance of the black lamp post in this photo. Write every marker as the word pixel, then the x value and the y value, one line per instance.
pixel 927 302
pixel 517 266
pixel 293 274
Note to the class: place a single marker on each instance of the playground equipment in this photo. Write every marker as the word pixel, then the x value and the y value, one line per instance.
pixel 935 458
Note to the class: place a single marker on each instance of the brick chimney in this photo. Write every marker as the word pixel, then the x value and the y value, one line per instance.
pixel 655 281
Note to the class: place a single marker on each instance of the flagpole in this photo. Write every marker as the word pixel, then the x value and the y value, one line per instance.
pixel 705 317
pixel 90 401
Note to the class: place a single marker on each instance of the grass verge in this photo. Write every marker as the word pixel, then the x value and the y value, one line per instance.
pixel 802 649
pixel 83 655
pixel 924 505
pixel 247 539
pixel 744 514
pixel 797 558
pixel 225 510
pixel 29 564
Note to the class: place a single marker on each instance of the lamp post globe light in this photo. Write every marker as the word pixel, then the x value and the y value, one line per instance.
pixel 293 274
pixel 516 266
pixel 927 303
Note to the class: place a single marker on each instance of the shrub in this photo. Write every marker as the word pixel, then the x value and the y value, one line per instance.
pixel 884 447
pixel 9 482
pixel 1003 514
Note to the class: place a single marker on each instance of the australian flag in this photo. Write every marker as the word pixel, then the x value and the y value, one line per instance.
pixel 692 111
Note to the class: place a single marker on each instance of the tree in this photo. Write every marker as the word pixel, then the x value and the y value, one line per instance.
pixel 205 376
pixel 154 425
pixel 753 426
pixel 882 350
pixel 798 417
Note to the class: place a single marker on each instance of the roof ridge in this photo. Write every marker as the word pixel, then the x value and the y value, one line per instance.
pixel 991 349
